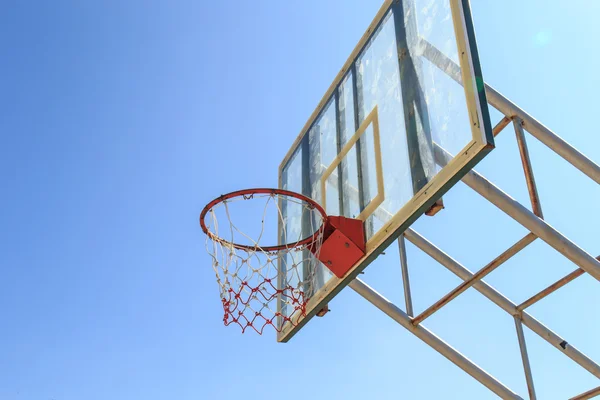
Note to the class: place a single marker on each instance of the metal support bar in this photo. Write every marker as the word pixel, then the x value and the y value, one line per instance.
pixel 495 263
pixel 536 206
pixel 525 358
pixel 405 279
pixel 432 340
pixel 500 126
pixel 525 217
pixel 551 289
pixel 544 135
pixel 587 395
pixel 504 303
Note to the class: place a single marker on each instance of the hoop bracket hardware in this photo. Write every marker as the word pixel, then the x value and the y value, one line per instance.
pixel 343 244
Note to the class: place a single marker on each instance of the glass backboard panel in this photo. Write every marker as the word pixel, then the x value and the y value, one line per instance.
pixel 396 100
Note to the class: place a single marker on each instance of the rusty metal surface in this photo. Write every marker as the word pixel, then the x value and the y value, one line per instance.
pixel 552 288
pixel 435 208
pixel 587 395
pixel 503 123
pixel 526 218
pixel 501 301
pixel 495 263
pixel 536 206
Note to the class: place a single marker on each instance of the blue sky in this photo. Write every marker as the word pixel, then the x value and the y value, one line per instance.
pixel 121 119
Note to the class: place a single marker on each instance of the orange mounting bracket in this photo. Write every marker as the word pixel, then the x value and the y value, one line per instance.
pixel 343 244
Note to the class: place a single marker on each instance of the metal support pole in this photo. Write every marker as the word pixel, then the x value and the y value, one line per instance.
pixel 405 279
pixel 432 340
pixel 495 263
pixel 536 206
pixel 544 135
pixel 525 358
pixel 525 217
pixel 504 303
pixel 551 289
pixel 500 126
pixel 587 395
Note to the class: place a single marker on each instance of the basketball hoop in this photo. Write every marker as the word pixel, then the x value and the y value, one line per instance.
pixel 254 276
pixel 269 285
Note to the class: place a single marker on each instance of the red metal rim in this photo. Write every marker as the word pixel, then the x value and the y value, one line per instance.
pixel 247 194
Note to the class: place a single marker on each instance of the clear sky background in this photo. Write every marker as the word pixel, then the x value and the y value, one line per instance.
pixel 120 119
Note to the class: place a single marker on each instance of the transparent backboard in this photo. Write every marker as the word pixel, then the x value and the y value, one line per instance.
pixel 412 88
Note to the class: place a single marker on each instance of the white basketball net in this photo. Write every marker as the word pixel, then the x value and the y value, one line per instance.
pixel 261 288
